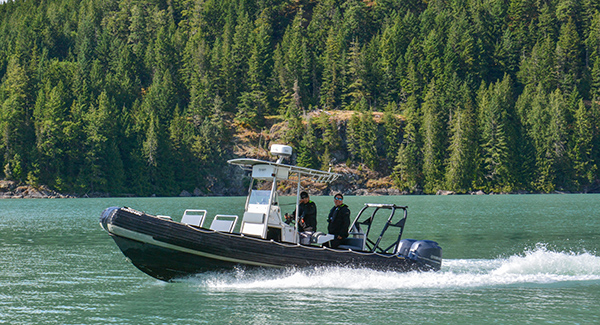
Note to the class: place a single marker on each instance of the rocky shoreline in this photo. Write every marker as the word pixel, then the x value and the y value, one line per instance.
pixel 12 190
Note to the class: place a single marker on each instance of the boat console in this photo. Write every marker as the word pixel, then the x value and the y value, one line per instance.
pixel 262 214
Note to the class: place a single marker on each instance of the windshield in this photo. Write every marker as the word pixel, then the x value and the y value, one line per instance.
pixel 259 197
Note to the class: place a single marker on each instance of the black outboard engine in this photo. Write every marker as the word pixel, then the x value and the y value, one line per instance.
pixel 404 246
pixel 427 252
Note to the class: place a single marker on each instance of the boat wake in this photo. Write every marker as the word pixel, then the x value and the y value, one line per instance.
pixel 535 267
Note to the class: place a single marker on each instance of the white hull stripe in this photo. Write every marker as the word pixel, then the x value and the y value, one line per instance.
pixel 122 232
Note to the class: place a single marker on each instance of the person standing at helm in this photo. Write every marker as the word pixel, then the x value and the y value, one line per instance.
pixel 307 214
pixel 339 221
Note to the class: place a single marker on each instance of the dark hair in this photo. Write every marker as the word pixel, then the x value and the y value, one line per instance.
pixel 340 195
pixel 303 195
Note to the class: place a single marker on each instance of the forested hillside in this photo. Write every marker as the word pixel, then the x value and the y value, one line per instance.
pixel 142 97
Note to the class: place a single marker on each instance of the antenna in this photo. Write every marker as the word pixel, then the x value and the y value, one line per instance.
pixel 281 151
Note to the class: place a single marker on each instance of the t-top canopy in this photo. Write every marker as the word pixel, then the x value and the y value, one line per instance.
pixel 314 175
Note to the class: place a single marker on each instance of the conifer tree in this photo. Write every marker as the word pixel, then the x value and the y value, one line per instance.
pixel 557 150
pixel 206 147
pixel 330 139
pixel 222 62
pixel 333 73
pixel 461 156
pixel 124 82
pixel 197 71
pixel 432 132
pixel 582 145
pixel 295 128
pixel 546 24
pixel 103 162
pixel 355 90
pixel 407 172
pixel 498 136
pixel 567 53
pixel 250 112
pixel 291 66
pixel 241 52
pixel 526 159
pixel 15 124
pixel 254 101
pixel 393 131
pixel 413 82
pixel 138 30
pixel 594 114
pixel 355 22
pixel 432 52
pixel 181 138
pixel 538 120
pixel 595 79
pixel 328 125
pixel 367 140
pixel 49 121
pixel 353 137
pixel 389 54
pixel 539 67
pixel 592 44
pixel 260 61
pixel 308 147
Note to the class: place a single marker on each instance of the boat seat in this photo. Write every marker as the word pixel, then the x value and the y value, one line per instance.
pixel 193 217
pixel 254 224
pixel 223 223
pixel 355 244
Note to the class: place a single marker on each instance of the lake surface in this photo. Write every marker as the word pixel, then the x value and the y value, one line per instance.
pixel 508 259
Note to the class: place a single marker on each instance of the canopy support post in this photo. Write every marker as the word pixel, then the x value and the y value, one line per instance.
pixel 298 201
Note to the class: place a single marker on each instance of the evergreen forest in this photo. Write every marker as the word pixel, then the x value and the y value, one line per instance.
pixel 147 97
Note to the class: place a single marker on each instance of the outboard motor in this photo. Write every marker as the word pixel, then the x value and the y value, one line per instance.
pixel 404 247
pixel 427 252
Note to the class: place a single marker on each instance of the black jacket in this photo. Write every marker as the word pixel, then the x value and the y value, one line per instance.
pixel 308 212
pixel 339 221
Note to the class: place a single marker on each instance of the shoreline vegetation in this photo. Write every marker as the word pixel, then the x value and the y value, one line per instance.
pixel 12 190
pixel 141 98
pixel 356 178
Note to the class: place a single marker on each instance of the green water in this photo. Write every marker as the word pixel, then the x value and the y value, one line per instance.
pixel 508 259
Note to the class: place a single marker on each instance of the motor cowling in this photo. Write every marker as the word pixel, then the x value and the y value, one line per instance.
pixel 404 247
pixel 427 252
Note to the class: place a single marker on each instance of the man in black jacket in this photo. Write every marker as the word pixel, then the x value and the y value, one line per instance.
pixel 307 214
pixel 339 221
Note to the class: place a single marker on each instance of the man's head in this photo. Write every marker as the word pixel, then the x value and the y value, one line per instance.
pixel 338 199
pixel 304 197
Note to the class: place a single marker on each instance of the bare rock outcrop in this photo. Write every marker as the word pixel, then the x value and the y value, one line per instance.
pixel 13 190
